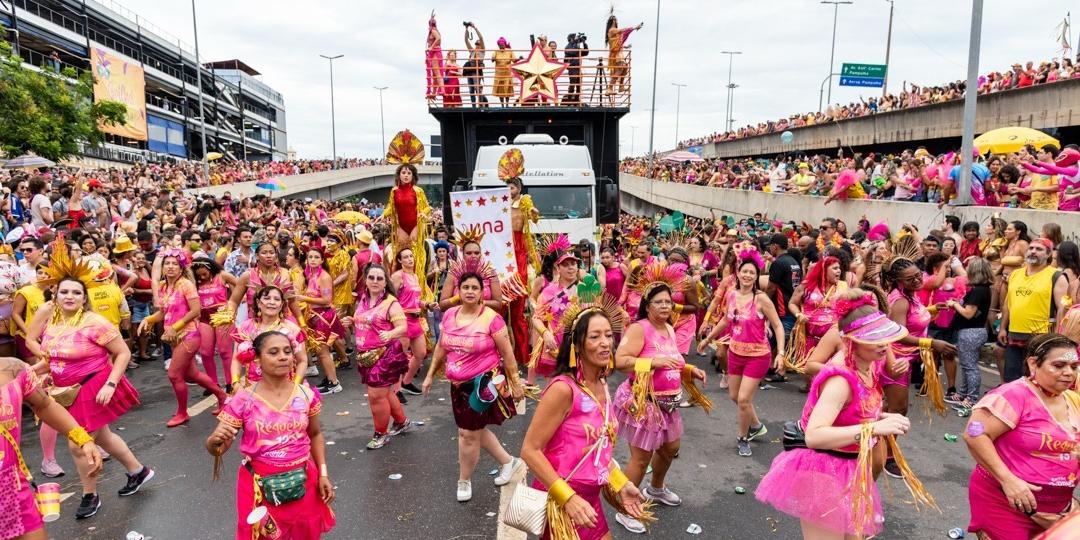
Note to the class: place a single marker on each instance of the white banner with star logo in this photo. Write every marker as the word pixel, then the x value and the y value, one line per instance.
pixel 488 209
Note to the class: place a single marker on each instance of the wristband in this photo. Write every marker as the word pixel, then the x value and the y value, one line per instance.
pixel 560 492
pixel 643 364
pixel 110 384
pixel 678 308
pixel 79 437
pixel 616 479
pixel 688 370
pixel 177 326
pixel 933 310
pixel 925 343
pixel 323 472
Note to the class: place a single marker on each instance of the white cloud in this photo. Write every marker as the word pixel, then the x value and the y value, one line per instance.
pixel 785 46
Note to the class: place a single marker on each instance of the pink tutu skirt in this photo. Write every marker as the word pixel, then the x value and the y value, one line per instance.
pixel 20 515
pixel 814 486
pixel 92 416
pixel 388 370
pixel 655 428
pixel 305 519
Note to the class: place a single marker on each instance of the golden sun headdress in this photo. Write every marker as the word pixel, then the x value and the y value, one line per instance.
pixel 511 165
pixel 660 273
pixel 472 233
pixel 62 266
pixel 405 148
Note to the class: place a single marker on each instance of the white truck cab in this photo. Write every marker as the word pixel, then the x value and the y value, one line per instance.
pixel 559 177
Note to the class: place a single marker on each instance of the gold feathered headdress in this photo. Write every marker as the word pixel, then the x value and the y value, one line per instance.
pixel 472 233
pixel 405 148
pixel 657 273
pixel 511 165
pixel 62 266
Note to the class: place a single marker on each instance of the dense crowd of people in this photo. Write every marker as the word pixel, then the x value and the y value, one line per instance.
pixel 1046 178
pixel 248 297
pixel 911 95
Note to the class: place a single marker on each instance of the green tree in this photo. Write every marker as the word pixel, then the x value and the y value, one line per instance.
pixel 47 114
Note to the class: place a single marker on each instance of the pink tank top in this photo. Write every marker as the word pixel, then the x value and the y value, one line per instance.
pixel 269 435
pixel 865 402
pixel 666 381
pixel 174 303
pixel 313 290
pixel 409 293
pixel 369 321
pixel 747 323
pixel 213 294
pixel 819 312
pixel 12 395
pixel 614 280
pixel 578 432
pixel 918 319
pixel 470 348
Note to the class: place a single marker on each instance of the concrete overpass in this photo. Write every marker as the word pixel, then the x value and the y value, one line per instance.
pixel 374 182
pixel 1055 105
pixel 642 196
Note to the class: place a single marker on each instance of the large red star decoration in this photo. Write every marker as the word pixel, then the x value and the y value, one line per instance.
pixel 481 201
pixel 537 74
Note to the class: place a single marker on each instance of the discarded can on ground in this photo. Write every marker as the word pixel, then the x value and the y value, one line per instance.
pixel 694 528
pixel 956 533
pixel 963 413
pixel 740 490
pixel 951 438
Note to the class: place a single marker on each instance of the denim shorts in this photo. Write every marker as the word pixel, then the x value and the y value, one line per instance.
pixel 139 310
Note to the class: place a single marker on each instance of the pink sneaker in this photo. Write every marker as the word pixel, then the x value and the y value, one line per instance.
pixel 51 469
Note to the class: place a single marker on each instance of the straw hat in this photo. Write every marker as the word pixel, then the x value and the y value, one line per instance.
pixel 123 245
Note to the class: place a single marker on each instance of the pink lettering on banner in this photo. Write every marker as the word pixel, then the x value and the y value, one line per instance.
pixel 495 227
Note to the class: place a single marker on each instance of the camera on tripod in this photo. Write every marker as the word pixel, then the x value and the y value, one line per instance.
pixel 576 38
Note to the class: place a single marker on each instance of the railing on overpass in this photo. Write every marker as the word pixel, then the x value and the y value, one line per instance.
pixel 596 83
pixel 326 185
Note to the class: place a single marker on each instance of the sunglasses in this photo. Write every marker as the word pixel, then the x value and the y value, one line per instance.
pixel 27 250
pixel 376 278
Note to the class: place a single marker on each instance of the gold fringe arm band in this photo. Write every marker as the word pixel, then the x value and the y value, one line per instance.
pixel 919 493
pixel 79 437
pixel 223 317
pixel 560 492
pixel 795 356
pixel 641 389
pixel 694 394
pixel 931 381
pixel 616 479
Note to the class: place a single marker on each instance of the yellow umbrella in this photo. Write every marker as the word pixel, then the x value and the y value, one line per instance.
pixel 213 156
pixel 352 217
pixel 1011 139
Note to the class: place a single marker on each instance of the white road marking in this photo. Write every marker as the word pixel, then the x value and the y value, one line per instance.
pixel 507 491
pixel 203 405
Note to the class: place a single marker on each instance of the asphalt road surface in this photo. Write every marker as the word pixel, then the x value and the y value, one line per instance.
pixel 182 502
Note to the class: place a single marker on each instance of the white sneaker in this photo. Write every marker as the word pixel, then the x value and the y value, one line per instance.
pixel 464 490
pixel 630 523
pixel 507 471
pixel 312 371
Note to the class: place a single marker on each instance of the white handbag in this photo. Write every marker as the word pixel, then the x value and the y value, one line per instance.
pixel 527 509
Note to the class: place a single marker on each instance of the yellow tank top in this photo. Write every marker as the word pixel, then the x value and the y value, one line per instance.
pixel 106 300
pixel 34 298
pixel 1029 300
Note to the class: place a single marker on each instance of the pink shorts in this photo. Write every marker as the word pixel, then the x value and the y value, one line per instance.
pixel 754 367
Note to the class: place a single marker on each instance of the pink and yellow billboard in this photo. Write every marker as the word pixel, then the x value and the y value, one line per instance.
pixel 119 79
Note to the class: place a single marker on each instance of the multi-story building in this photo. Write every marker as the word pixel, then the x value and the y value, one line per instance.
pixel 244 117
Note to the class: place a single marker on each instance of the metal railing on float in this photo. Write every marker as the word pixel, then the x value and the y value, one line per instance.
pixel 595 80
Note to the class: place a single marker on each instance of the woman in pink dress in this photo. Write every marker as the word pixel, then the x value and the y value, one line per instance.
pixel 614 273
pixel 553 300
pixel 434 59
pixel 749 312
pixel 325 326
pixel 407 284
pixel 474 345
pixel 576 422
pixel 177 301
pixel 379 324
pixel 829 485
pixel 646 404
pixel 903 280
pixel 280 420
pixel 80 347
pixel 451 86
pixel 686 302
pixel 213 285
pixel 267 317
pixel 1023 436
pixel 812 303
pixel 19 385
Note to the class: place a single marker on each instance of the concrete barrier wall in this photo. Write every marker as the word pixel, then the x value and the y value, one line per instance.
pixel 1044 106
pixel 644 197
pixel 327 185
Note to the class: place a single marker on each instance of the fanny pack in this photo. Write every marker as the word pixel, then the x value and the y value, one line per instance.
pixel 1047 519
pixel 66 395
pixel 284 487
pixel 370 358
pixel 667 403
pixel 794 436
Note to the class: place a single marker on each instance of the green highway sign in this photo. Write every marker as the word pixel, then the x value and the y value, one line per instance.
pixel 876 71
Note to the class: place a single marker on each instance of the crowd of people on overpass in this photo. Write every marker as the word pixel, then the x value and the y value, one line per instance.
pixel 1039 178
pixel 911 95
pixel 248 297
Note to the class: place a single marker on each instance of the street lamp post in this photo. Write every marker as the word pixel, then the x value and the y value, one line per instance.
pixel 888 48
pixel 971 95
pixel 333 120
pixel 652 115
pixel 832 53
pixel 382 123
pixel 730 88
pixel 198 81
pixel 678 98
pixel 633 132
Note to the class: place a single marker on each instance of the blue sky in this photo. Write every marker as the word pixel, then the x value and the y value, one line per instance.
pixel 785 46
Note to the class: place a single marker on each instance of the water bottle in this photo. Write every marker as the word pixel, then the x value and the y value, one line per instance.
pixel 956 532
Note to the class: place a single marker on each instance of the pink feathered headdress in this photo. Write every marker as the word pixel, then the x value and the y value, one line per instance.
pixel 751 254
pixel 180 255
pixel 879 232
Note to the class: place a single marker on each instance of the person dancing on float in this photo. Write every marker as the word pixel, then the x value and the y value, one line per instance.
pixel 434 59
pixel 522 215
pixel 618 67
pixel 646 404
pixel 407 209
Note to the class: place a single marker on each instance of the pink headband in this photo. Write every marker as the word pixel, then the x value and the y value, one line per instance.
pixel 845 306
pixel 1044 242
